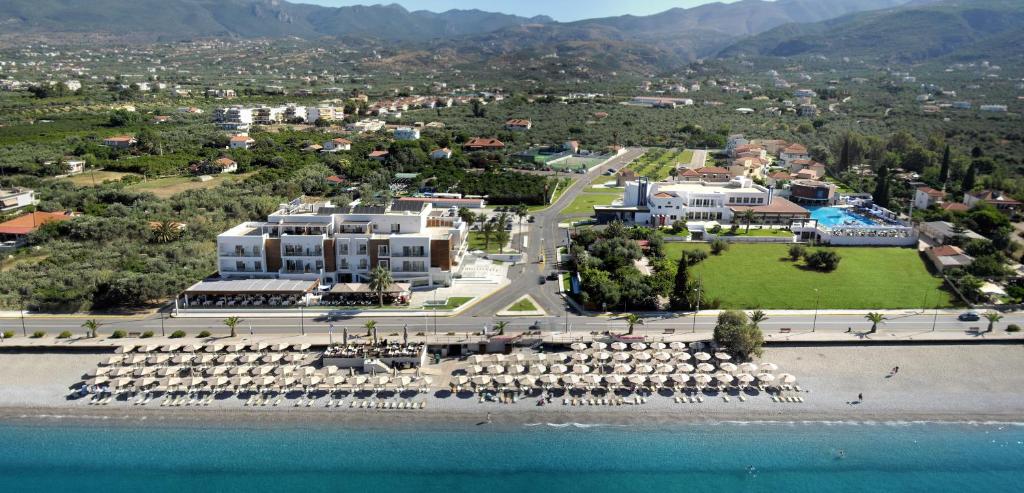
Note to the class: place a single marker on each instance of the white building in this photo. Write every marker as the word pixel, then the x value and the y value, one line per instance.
pixel 338 144
pixel 407 133
pixel 417 243
pixel 16 198
pixel 925 197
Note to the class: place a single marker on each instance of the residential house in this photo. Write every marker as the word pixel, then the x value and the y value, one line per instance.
pixel 337 144
pixel 241 142
pixel 925 197
pixel 939 232
pixel 994 198
pixel 778 179
pixel 120 141
pixel 483 144
pixel 332 244
pixel 16 198
pixel 518 124
pixel 947 257
pixel 378 155
pixel 226 165
pixel 714 174
pixel 14 232
pixel 623 176
pixel 793 152
pixel 407 133
pixel 444 153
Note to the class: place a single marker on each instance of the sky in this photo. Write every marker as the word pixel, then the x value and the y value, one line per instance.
pixel 561 10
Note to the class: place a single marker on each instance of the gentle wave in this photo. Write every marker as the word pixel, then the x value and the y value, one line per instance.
pixel 577 425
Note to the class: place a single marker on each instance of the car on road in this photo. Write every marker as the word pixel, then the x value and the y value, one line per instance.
pixel 969 317
pixel 542 280
pixel 553 276
pixel 531 219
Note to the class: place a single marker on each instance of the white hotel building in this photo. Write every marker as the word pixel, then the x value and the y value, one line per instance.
pixel 420 245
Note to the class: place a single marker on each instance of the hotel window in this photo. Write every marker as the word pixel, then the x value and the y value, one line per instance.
pixel 361 249
pixel 240 266
pixel 343 249
pixel 396 228
pixel 319 264
pixel 363 263
pixel 257 266
pixel 382 251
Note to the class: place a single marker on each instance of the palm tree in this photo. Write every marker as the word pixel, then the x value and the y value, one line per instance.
pixel 757 316
pixel 748 217
pixel 500 327
pixel 633 320
pixel 380 281
pixel 875 318
pixel 487 229
pixel 166 232
pixel 232 323
pixel 992 318
pixel 370 326
pixel 91 326
pixel 521 211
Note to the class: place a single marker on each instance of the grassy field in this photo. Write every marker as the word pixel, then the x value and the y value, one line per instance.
pixel 476 242
pixel 563 185
pixel 168 187
pixel 585 202
pixel 758 232
pixel 90 178
pixel 456 302
pixel 761 276
pixel 523 305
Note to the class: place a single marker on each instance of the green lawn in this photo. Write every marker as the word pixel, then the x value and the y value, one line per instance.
pixel 456 302
pixel 523 305
pixel 761 276
pixel 563 185
pixel 758 232
pixel 585 202
pixel 476 242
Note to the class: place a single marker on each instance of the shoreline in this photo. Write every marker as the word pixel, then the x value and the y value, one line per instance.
pixel 460 420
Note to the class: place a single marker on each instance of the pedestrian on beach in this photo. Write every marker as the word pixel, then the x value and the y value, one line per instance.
pixel 489 418
pixel 896 370
pixel 860 397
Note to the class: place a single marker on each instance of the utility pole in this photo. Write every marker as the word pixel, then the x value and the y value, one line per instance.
pixel 302 319
pixel 817 298
pixel 163 333
pixel 697 309
pixel 24 331
pixel 935 317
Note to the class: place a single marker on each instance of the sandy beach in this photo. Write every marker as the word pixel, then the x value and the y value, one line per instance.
pixel 935 383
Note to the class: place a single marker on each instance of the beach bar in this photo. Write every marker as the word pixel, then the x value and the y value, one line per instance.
pixel 248 292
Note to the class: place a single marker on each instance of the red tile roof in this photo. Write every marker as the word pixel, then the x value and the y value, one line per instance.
pixel 485 142
pixel 241 138
pixel 956 207
pixel 946 251
pixel 931 192
pixel 27 223
pixel 713 169
pixel 516 122
pixel 379 154
pixel 795 149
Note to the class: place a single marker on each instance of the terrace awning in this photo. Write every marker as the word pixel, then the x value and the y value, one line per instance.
pixel 363 288
pixel 227 287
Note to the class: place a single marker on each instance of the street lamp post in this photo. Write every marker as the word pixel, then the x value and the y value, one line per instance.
pixel 935 317
pixel 697 307
pixel 330 334
pixel 302 319
pixel 24 331
pixel 817 299
pixel 163 333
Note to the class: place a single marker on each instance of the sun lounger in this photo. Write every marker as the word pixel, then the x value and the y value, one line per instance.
pixel 743 399
pixel 310 402
pixel 423 404
pixel 338 403
pixel 800 399
pixel 725 398
pixel 700 399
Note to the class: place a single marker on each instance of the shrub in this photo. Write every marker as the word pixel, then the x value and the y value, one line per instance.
pixel 796 252
pixel 204 333
pixel 823 260
pixel 715 229
pixel 1013 328
pixel 118 334
pixel 64 335
pixel 147 334
pixel 8 334
pixel 718 246
pixel 178 334
pixel 38 334
pixel 694 257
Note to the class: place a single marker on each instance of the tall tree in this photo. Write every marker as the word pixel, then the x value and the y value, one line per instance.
pixel 844 154
pixel 679 298
pixel 757 316
pixel 969 178
pixel 749 217
pixel 881 194
pixel 380 281
pixel 944 170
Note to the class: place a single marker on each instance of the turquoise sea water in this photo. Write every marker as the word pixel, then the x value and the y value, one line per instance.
pixel 700 457
pixel 838 216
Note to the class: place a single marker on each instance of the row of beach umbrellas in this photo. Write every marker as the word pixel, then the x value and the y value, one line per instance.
pixel 210 348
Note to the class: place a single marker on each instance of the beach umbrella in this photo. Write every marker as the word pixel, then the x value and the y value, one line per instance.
pixel 264 381
pixel 248 358
pixel 702 356
pixel 580 369
pixel 702 378
pixel 499 358
pixel 682 356
pixel 145 370
pixel 100 370
pixel 657 346
pixel 518 358
pixel 720 356
pixel 310 380
pixel 378 380
pixel 591 379
pixel 577 346
pixel 549 379
pixel 216 382
pixel 748 367
pixel 569 380
pixel 170 382
pixel 580 356
pixel 495 369
pixel 234 348
pixel 189 348
pixel 97 380
pixel 203 359
pixel 766 377
pixel 148 348
pixel 638 346
pixel 769 367
pixel 619 346
pixel 426 379
pixel 213 348
pixel 644 368
pixel 460 380
pixel 663 368
pixel 278 347
pixel 724 377
pixel 621 357
pixel 302 346
pixel 120 372
pixel 127 348
pixel 658 379
pixel 637 379
pixel 271 357
pixel 558 368
pixel 157 359
pixel 481 379
pixel 613 379
pixel 170 348
pixel 474 369
pixel 334 380
pixel 217 370
pixel 292 357
pixel 504 379
pixel 622 368
pixel 477 359
pixel 599 346
pixel 358 379
pixel 168 371
pixel 227 358
pixel 306 370
pixel 745 378
pixel 662 356
pixel 285 381
pixel 330 369
pixel 403 381
pixel 137 359
pixel 517 369
pixel 729 367
pixel 602 355
pixel 258 346
pixel 240 370
pixel 678 346
pixel 642 356
pixel 680 378
pixel 145 382
pixel 786 378
pixel 526 380
pixel 540 357
pixel 537 369
pixel 262 370
pixel 705 367
pixel 241 380
pixel 113 360
pixel 194 382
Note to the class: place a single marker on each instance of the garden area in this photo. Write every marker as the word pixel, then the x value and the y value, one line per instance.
pixel 763 276
pixel 584 203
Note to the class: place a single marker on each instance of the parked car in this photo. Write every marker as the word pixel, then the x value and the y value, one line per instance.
pixel 969 317
pixel 543 280
pixel 553 276
pixel 531 219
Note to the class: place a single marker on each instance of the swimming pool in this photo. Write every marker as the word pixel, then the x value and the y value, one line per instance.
pixel 838 216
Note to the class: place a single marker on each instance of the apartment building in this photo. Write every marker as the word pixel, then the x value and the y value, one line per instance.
pixel 418 243
pixel 16 198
